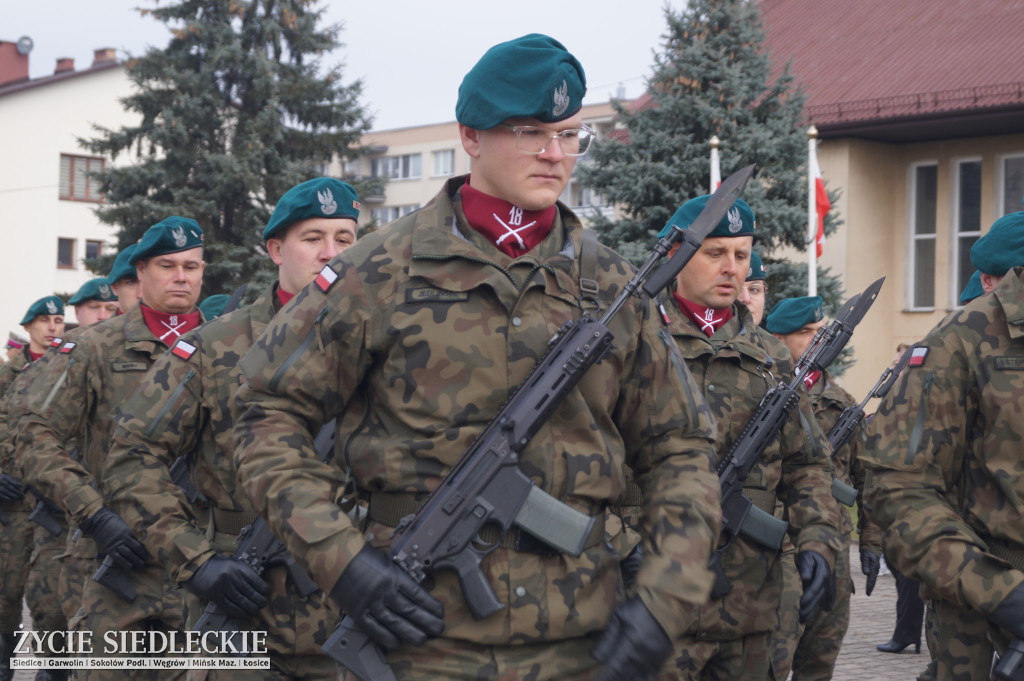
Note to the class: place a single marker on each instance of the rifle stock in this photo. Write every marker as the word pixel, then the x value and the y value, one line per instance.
pixel 1010 666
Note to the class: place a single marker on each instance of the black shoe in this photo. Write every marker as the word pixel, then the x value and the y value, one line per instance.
pixel 894 646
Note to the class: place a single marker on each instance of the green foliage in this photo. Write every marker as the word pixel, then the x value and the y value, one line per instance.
pixel 712 77
pixel 234 111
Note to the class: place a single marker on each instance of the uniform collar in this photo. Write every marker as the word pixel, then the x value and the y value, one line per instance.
pixel 1010 296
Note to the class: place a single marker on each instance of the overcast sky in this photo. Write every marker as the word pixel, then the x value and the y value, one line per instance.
pixel 410 54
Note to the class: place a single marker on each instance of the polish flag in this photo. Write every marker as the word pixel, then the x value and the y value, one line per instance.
pixel 821 202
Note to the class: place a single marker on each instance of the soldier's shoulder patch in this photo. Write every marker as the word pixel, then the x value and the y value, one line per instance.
pixel 917 357
pixel 55 343
pixel 325 280
pixel 183 349
pixel 67 347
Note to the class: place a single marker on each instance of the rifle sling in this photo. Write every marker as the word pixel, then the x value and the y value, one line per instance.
pixel 1002 549
pixel 389 509
pixel 231 522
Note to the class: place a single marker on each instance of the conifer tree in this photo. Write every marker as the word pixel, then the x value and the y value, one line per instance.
pixel 233 112
pixel 712 76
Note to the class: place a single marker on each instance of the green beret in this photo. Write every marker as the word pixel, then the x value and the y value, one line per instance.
pixel 122 266
pixel 973 288
pixel 47 305
pixel 172 235
pixel 213 306
pixel 739 221
pixel 757 271
pixel 323 197
pixel 94 289
pixel 530 77
pixel 1002 247
pixel 793 314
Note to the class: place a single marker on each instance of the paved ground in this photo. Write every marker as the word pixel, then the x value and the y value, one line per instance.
pixel 871 623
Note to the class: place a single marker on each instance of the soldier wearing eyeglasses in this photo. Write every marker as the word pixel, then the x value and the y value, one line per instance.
pixel 414 338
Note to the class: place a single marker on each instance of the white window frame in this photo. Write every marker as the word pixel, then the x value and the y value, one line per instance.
pixel 1001 182
pixel 911 234
pixel 955 235
pixel 449 154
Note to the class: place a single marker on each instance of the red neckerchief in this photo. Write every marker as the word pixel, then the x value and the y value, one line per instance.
pixel 513 230
pixel 33 356
pixel 169 327
pixel 811 378
pixel 284 296
pixel 707 319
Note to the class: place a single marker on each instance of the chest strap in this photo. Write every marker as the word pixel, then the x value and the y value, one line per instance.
pixel 231 522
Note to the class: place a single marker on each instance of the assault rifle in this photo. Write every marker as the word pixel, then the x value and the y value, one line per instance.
pixel 259 549
pixel 487 489
pixel 1010 666
pixel 853 416
pixel 739 515
pixel 115 577
pixel 46 512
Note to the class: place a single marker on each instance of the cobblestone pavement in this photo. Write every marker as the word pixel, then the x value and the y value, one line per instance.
pixel 871 622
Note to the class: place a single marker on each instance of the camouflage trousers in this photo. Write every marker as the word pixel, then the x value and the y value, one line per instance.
pixel 77 567
pixel 42 588
pixel 746 658
pixel 958 641
pixel 157 607
pixel 457 660
pixel 784 640
pixel 823 634
pixel 15 552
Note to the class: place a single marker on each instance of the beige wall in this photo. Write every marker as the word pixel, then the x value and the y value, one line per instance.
pixel 873 241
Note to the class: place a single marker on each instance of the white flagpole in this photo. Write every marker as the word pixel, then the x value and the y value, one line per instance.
pixel 716 170
pixel 812 214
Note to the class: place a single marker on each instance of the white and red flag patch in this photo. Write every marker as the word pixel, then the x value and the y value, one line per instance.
pixel 326 278
pixel 183 349
pixel 68 347
pixel 917 356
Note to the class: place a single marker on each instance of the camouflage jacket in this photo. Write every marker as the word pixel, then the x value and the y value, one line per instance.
pixel 734 368
pixel 74 400
pixel 828 400
pixel 10 374
pixel 945 472
pixel 184 407
pixel 419 332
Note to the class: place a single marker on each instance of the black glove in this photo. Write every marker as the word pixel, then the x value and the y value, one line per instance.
pixel 633 646
pixel 818 582
pixel 630 565
pixel 10 488
pixel 114 538
pixel 231 584
pixel 1009 614
pixel 387 603
pixel 869 565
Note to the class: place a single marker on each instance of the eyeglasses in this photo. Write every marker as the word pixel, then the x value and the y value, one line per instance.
pixel 533 140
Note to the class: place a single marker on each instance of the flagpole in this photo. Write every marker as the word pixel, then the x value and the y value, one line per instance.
pixel 812 214
pixel 716 169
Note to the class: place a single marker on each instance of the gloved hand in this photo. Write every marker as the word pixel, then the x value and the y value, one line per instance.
pixel 231 584
pixel 630 565
pixel 114 538
pixel 1009 614
pixel 633 646
pixel 869 565
pixel 387 603
pixel 818 582
pixel 10 488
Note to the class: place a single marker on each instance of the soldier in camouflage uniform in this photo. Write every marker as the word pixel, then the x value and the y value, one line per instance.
pixel 944 465
pixel 43 322
pixel 418 333
pixel 183 406
pixel 794 321
pixel 75 400
pixel 735 362
pixel 755 288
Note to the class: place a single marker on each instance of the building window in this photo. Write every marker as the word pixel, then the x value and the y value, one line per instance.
pixel 76 181
pixel 923 202
pixel 444 162
pixel 967 224
pixel 405 167
pixel 1013 184
pixel 66 254
pixel 93 249
pixel 386 214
